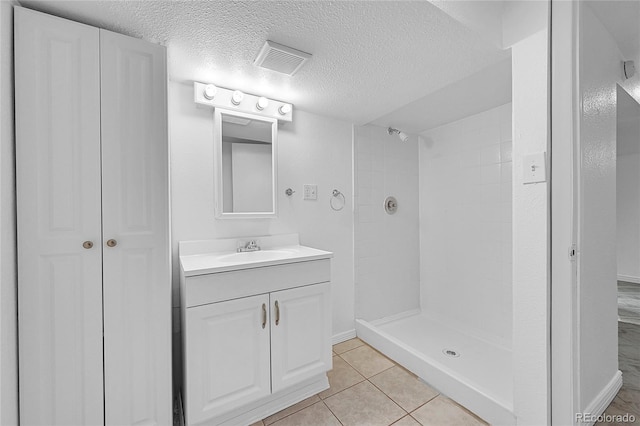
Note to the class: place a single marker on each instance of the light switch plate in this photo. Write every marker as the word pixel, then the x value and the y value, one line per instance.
pixel 534 168
pixel 310 192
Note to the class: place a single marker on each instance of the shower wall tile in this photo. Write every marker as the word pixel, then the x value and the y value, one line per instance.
pixel 490 154
pixel 465 201
pixel 387 272
pixel 506 151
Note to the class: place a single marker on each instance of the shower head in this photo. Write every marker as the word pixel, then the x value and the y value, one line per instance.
pixel 402 135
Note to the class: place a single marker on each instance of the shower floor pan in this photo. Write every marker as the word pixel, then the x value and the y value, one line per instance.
pixel 477 374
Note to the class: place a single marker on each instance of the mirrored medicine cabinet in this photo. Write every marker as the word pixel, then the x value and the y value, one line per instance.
pixel 245 159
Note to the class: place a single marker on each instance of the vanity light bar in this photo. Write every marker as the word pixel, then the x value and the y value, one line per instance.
pixel 210 95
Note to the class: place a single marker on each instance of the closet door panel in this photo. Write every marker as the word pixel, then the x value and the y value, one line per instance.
pixel 58 200
pixel 137 286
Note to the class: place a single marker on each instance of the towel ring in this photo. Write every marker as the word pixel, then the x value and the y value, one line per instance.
pixel 341 198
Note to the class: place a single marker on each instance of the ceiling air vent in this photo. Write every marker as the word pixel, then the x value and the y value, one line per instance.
pixel 284 59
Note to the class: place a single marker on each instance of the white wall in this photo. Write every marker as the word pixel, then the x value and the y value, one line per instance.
pixel 600 70
pixel 465 224
pixel 8 300
pixel 628 186
pixel 386 246
pixel 311 150
pixel 522 19
pixel 530 233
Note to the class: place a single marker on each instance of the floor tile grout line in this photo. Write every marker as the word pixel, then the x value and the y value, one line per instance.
pixel 404 417
pixel 290 414
pixel 364 379
pixel 362 374
pixel 388 396
pixel 376 351
pixel 331 411
pixel 377 374
pixel 295 412
pixel 422 405
pixel 386 369
pixel 352 349
pixel 414 419
pixel 356 347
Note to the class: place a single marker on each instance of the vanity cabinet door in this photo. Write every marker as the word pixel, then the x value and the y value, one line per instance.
pixel 300 334
pixel 227 361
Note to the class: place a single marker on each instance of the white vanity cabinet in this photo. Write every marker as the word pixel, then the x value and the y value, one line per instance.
pixel 300 334
pixel 227 355
pixel 256 337
pixel 94 289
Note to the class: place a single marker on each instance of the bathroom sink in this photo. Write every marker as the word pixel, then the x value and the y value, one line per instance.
pixel 256 256
pixel 213 256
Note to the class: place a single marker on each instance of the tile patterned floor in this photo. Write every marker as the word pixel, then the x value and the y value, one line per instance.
pixel 368 389
pixel 628 399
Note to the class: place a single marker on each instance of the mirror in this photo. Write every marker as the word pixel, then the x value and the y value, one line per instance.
pixel 245 160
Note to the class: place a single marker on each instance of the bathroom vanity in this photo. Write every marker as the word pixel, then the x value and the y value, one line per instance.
pixel 256 327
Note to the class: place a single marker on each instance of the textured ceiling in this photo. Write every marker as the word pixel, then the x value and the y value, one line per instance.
pixel 369 58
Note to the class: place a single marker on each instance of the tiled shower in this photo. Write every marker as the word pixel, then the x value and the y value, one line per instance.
pixel 433 280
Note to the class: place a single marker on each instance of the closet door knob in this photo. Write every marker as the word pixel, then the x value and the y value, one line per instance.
pixel 87 244
pixel 112 243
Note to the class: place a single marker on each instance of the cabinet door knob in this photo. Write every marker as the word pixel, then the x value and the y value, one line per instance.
pixel 112 243
pixel 87 244
pixel 277 313
pixel 264 315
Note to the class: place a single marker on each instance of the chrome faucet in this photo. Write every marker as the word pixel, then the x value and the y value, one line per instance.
pixel 250 245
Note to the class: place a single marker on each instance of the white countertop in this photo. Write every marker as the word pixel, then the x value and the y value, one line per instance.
pixel 225 261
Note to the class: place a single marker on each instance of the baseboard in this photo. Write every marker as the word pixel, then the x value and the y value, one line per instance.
pixel 341 337
pixel 627 320
pixel 254 412
pixel 629 279
pixel 603 399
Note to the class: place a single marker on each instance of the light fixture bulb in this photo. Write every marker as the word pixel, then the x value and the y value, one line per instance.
pixel 284 109
pixel 237 97
pixel 210 91
pixel 262 103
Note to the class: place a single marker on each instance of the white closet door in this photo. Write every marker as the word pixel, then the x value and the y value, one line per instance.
pixel 58 193
pixel 137 276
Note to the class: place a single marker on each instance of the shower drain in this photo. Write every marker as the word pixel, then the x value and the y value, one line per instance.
pixel 450 353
